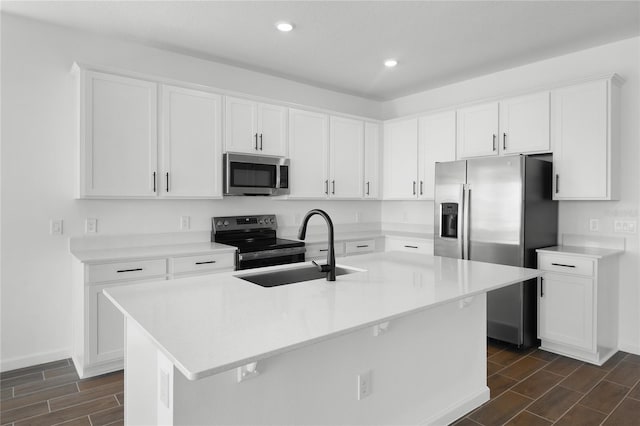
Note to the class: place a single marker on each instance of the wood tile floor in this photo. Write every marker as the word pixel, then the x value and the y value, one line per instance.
pixel 528 387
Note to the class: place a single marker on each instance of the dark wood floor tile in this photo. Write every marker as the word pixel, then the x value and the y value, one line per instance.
pixel 499 383
pixel 537 384
pixel 626 373
pixel 21 413
pixel 605 396
pixel 44 395
pixel 44 384
pixel 580 415
pixel 85 396
pixel 633 358
pixel 118 423
pixel 80 421
pixel 33 369
pixel 635 392
pixel 117 377
pixel 527 419
pixel 494 346
pixel 71 412
pixel 501 409
pixel 614 360
pixel 21 380
pixel 564 366
pixel 584 378
pixel 523 368
pixel 508 356
pixel 62 371
pixel 555 403
pixel 544 355
pixel 120 398
pixel 465 421
pixel 107 417
pixel 493 368
pixel 627 414
pixel 6 394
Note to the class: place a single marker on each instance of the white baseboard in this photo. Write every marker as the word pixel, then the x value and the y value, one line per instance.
pixel 28 361
pixel 450 414
pixel 632 349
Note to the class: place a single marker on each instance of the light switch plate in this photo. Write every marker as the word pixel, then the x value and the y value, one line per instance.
pixel 91 226
pixel 55 227
pixel 594 225
pixel 185 223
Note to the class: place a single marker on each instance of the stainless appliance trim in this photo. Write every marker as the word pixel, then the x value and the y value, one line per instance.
pixel 279 162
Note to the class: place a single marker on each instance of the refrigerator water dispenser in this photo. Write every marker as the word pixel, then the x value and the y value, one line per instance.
pixel 449 220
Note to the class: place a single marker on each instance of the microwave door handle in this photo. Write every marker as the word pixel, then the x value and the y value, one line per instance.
pixel 277 179
pixel 227 180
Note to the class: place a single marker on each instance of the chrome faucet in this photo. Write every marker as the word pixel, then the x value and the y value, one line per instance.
pixel 330 267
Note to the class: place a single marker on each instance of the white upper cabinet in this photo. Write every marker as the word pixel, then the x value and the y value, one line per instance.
pixel 346 151
pixel 585 141
pixel 478 131
pixel 436 143
pixel 190 143
pixel 118 136
pixel 400 181
pixel 255 128
pixel 372 160
pixel 524 124
pixel 308 151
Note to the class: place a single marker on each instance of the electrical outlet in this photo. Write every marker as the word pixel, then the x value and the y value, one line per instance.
pixel 594 225
pixel 185 223
pixel 364 384
pixel 55 227
pixel 625 226
pixel 91 226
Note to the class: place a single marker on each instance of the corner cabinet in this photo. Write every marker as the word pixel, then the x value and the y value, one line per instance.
pixel 118 136
pixel 578 303
pixel 585 137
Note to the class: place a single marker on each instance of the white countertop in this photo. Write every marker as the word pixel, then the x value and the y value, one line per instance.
pixel 146 252
pixel 593 252
pixel 209 324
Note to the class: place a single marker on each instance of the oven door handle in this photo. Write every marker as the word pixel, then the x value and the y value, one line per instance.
pixel 266 254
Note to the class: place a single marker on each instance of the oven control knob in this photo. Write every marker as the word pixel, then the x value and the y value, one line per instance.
pixel 261 221
pixel 226 223
pixel 272 220
pixel 219 223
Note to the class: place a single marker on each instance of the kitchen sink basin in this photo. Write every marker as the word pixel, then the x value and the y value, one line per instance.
pixel 292 275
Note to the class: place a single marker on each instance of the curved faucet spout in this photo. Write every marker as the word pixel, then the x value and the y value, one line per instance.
pixel 330 267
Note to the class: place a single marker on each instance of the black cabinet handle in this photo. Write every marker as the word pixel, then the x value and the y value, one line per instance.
pixel 421 187
pixel 541 287
pixel 413 247
pixel 260 141
pixel 363 246
pixel 504 141
pixel 563 265
pixel 557 183
pixel 494 142
pixel 414 187
pixel 154 181
pixel 367 188
pixel 326 187
pixel 333 186
pixel 129 270
pixel 256 138
pixel 167 175
pixel 204 263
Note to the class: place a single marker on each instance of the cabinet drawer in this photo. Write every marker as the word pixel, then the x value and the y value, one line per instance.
pixel 319 250
pixel 124 271
pixel 566 264
pixel 413 246
pixel 366 246
pixel 202 263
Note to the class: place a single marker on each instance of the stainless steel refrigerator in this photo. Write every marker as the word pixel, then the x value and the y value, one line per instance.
pixel 498 210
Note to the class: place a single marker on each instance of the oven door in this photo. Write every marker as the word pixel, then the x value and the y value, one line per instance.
pixel 275 257
pixel 255 175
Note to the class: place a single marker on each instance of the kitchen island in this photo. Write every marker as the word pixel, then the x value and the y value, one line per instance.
pixel 400 340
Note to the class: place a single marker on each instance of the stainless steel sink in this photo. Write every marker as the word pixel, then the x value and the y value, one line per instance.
pixel 291 276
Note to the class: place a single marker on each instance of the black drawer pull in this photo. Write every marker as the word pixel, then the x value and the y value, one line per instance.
pixel 563 265
pixel 129 270
pixel 415 247
pixel 363 246
pixel 541 286
pixel 324 249
pixel 204 263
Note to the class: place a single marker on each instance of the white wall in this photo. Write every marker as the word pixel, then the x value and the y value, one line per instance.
pixel 38 152
pixel 621 57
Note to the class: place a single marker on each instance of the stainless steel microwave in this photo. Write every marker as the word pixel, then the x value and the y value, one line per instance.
pixel 255 175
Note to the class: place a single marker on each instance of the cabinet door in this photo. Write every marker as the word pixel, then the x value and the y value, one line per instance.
pixel 371 160
pixel 119 146
pixel 241 134
pixel 346 153
pixel 106 326
pixel 190 142
pixel 400 162
pixel 308 148
pixel 478 131
pixel 524 124
pixel 566 310
pixel 272 129
pixel 437 143
pixel 581 153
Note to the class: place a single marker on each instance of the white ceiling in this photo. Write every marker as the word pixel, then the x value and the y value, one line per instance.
pixel 341 45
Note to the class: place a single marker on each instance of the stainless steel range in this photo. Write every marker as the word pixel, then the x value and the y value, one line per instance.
pixel 256 240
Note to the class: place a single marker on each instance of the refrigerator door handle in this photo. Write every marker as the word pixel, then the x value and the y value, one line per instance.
pixel 466 207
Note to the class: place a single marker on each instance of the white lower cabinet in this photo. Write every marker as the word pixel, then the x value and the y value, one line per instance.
pixel 411 245
pixel 318 251
pixel 578 305
pixel 99 326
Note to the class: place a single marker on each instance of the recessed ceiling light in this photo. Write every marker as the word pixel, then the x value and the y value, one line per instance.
pixel 285 27
pixel 390 63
